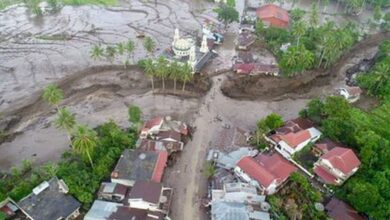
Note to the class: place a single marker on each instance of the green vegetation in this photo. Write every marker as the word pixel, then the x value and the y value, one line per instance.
pixel 312 45
pixel 82 179
pixel 110 52
pixel 163 69
pixel 377 81
pixel 368 134
pixel 53 95
pixel 227 14
pixel 149 45
pixel 209 170
pixel 296 200
pixel 264 126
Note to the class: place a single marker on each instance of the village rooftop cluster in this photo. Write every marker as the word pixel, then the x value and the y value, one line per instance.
pixel 135 191
pixel 244 176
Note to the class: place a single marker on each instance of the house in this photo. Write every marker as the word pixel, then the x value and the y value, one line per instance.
pixel 324 146
pixel 160 124
pixel 221 177
pixel 149 195
pixel 138 165
pixel 229 160
pixel 351 94
pixel 152 145
pixel 294 136
pixel 337 165
pixel 221 210
pixel 169 135
pixel 151 126
pixel 273 15
pixel 245 40
pixel 238 192
pixel 103 210
pixel 265 171
pixel 112 192
pixel 49 201
pixel 8 208
pixel 339 210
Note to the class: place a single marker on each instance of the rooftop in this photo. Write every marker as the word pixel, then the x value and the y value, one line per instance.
pixel 339 210
pixel 343 159
pixel 266 168
pixel 113 188
pixel 48 202
pixel 148 191
pixel 140 165
pixel 271 11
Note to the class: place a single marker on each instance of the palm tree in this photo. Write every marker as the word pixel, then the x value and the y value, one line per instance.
pixel 162 69
pixel 65 121
pixel 120 47
pixel 149 45
pixel 186 74
pixel 53 95
pixel 84 142
pixel 96 52
pixel 174 73
pixel 130 47
pixel 110 53
pixel 150 70
pixel 314 15
pixel 298 30
pixel 382 75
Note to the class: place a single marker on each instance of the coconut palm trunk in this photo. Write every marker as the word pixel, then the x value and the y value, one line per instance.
pixel 174 85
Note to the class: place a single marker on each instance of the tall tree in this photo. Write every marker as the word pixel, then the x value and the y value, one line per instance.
pixel 66 121
pixel 96 52
pixel 85 142
pixel 130 47
pixel 120 48
pixel 298 30
pixel 53 95
pixel 149 45
pixel 150 70
pixel 314 18
pixel 186 74
pixel 174 73
pixel 227 14
pixel 162 69
pixel 110 53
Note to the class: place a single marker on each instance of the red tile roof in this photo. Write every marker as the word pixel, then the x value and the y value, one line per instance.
pixel 343 159
pixel 339 210
pixel 152 122
pixel 294 139
pixel 267 168
pixel 325 175
pixel 243 68
pixel 160 166
pixel 273 14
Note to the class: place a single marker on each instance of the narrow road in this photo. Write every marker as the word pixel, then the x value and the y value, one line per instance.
pixel 187 179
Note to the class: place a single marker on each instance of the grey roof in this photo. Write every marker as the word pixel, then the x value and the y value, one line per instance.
pixel 101 210
pixel 222 177
pixel 135 165
pixel 228 211
pixel 235 211
pixel 49 202
pixel 229 160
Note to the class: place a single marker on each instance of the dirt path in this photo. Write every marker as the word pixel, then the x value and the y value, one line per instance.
pixel 186 175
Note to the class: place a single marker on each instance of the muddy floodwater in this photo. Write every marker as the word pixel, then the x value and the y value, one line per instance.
pixel 56 49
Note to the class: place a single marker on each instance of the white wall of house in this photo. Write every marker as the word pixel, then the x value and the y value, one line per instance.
pixel 141 204
pixel 315 135
pixel 123 181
